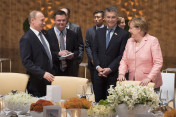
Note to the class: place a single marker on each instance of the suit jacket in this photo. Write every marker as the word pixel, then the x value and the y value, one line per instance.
pixel 35 60
pixel 110 57
pixel 77 29
pixel 71 45
pixel 145 62
pixel 90 36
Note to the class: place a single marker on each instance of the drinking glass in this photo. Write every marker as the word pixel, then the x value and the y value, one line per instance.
pixel 89 90
pixel 80 91
pixel 164 97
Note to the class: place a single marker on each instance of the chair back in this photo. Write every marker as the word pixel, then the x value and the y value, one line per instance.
pixel 150 85
pixel 169 85
pixel 13 81
pixel 69 85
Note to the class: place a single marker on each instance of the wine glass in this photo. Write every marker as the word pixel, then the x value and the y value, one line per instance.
pixel 164 97
pixel 80 91
pixel 89 90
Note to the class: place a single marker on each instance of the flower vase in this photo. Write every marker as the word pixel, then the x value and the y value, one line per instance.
pixel 77 113
pixel 36 114
pixel 123 111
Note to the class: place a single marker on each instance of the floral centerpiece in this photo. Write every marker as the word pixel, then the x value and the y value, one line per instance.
pixel 36 109
pixel 170 113
pixel 101 110
pixel 38 106
pixel 78 103
pixel 19 101
pixel 131 95
pixel 77 107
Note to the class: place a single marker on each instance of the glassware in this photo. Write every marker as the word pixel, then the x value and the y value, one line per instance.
pixel 80 91
pixel 164 97
pixel 89 90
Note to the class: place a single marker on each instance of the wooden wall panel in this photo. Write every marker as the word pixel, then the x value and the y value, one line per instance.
pixel 161 16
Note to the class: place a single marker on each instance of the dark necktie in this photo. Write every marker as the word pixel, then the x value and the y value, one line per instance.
pixel 108 37
pixel 46 49
pixel 62 44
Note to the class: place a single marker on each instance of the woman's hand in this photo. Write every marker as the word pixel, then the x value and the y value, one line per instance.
pixel 121 77
pixel 145 82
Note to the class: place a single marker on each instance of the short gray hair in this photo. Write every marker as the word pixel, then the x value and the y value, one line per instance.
pixel 111 9
pixel 32 14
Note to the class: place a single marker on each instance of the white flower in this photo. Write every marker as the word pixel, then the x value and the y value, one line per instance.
pixel 131 95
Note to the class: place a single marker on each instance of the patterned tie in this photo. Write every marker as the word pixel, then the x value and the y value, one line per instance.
pixel 108 37
pixel 62 45
pixel 63 64
pixel 46 49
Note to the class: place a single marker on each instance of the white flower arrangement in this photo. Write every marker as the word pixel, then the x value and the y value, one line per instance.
pixel 100 111
pixel 131 94
pixel 17 100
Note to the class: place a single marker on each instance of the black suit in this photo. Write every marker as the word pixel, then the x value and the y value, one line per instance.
pixel 90 36
pixel 107 58
pixel 77 29
pixel 71 45
pixel 36 61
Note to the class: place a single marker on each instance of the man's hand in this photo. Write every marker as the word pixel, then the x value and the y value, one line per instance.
pixel 121 77
pixel 70 57
pixel 145 82
pixel 100 71
pixel 63 53
pixel 106 72
pixel 48 76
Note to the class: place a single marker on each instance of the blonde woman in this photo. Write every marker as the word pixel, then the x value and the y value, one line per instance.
pixel 142 55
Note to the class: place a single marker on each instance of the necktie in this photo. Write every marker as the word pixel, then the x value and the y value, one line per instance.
pixel 63 64
pixel 62 45
pixel 108 37
pixel 46 49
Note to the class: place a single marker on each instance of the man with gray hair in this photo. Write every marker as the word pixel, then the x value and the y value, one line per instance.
pixel 36 55
pixel 109 44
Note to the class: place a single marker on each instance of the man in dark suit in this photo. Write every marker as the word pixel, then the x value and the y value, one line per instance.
pixel 70 44
pixel 108 48
pixel 77 29
pixel 90 36
pixel 36 55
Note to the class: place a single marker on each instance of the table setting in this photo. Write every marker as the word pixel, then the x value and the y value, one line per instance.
pixel 123 101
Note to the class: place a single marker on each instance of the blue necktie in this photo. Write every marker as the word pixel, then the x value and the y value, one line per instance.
pixel 108 37
pixel 46 49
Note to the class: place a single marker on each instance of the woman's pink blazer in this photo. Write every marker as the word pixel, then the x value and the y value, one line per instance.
pixel 144 62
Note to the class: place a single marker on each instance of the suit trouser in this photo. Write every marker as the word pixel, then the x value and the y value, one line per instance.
pixel 102 84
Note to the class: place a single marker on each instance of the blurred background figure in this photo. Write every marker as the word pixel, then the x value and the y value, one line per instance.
pixel 142 55
pixel 90 36
pixel 121 22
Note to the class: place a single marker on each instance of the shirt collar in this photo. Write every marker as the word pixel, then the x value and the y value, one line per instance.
pixel 35 31
pixel 58 31
pixel 68 26
pixel 113 29
pixel 100 26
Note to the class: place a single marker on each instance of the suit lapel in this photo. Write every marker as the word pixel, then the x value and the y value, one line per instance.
pixel 114 37
pixel 37 41
pixel 143 42
pixel 67 40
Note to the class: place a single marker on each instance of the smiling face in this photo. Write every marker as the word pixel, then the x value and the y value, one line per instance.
pixel 111 19
pixel 38 22
pixel 60 21
pixel 133 30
